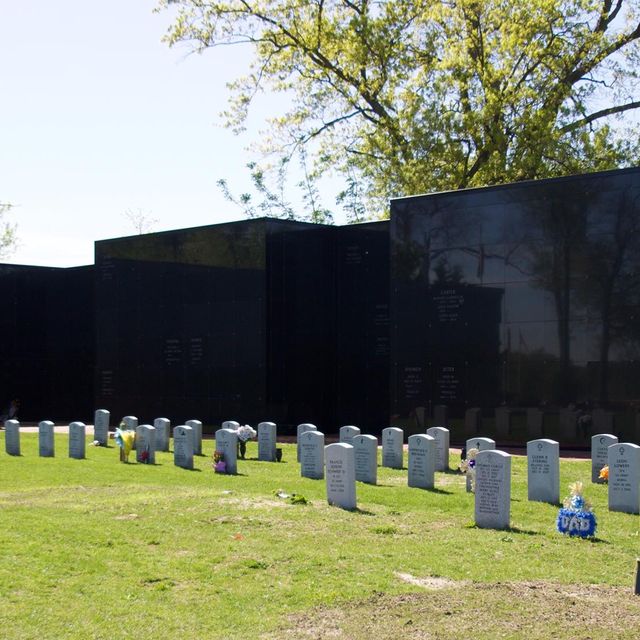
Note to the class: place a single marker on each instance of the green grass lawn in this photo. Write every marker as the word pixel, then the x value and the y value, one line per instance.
pixel 99 549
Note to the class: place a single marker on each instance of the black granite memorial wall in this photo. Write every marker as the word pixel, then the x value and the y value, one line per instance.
pixel 521 295
pixel 256 320
pixel 47 345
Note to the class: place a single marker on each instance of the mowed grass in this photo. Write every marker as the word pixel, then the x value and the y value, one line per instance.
pixel 99 549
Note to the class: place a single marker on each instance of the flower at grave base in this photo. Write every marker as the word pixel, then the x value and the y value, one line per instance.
pixel 144 456
pixel 246 433
pixel 576 517
pixel 125 439
pixel 220 467
pixel 468 467
pixel 604 473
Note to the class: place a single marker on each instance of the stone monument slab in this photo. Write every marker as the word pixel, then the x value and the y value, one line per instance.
pixel 481 444
pixel 163 433
pixel 196 425
pixel 46 442
pixel 535 422
pixel 77 440
pixel 503 421
pixel 392 443
pixel 441 436
pixel 600 444
pixel 348 433
pixel 440 415
pixel 227 443
pixel 341 476
pixel 267 435
pixel 311 446
pixel 12 437
pixel 101 426
pixel 146 444
pixel 493 489
pixel 302 428
pixel 183 446
pixel 422 461
pixel 130 423
pixel 543 471
pixel 624 477
pixel 365 456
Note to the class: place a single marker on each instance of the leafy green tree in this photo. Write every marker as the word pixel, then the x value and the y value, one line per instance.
pixel 8 237
pixel 408 96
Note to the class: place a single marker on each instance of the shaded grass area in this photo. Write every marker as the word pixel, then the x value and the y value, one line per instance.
pixel 96 548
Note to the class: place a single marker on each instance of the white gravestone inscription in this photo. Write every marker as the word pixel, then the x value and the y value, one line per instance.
pixel 77 442
pixel 422 461
pixel 441 436
pixel 183 446
pixel 146 444
pixel 196 425
pixel 163 433
pixel 12 437
pixel 341 477
pixel 348 433
pixel 600 444
pixel 365 455
pixel 101 420
pixel 267 433
pixel 480 444
pixel 130 423
pixel 493 489
pixel 543 471
pixel 227 443
pixel 46 444
pixel 302 428
pixel 311 444
pixel 392 453
pixel 624 477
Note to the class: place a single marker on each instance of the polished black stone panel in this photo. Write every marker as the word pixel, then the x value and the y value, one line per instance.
pixel 181 324
pixel 525 294
pixel 47 346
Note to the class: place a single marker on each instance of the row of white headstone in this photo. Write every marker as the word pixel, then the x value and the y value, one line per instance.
pixel 354 458
pixel 149 439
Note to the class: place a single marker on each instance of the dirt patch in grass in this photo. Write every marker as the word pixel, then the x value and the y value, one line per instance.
pixel 449 609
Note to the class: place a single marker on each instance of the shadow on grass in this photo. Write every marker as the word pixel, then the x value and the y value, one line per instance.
pixel 443 492
pixel 525 532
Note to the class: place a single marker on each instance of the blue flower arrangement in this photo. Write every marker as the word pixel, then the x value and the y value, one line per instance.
pixel 576 517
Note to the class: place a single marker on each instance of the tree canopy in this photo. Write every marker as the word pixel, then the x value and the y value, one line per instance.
pixel 410 96
pixel 8 237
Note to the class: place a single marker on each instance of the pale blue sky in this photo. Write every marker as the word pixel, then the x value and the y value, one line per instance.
pixel 99 116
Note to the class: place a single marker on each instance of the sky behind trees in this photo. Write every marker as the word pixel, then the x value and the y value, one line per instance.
pixel 98 116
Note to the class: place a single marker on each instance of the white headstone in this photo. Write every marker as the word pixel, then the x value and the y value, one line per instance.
pixel 130 423
pixel 624 477
pixel 146 444
pixel 365 455
pixel 311 445
pixel 481 444
pixel 12 437
pixel 392 441
pixel 101 426
pixel 441 436
pixel 230 424
pixel 267 433
pixel 600 444
pixel 77 442
pixel 341 476
pixel 493 489
pixel 348 433
pixel 422 461
pixel 227 443
pixel 46 443
pixel 196 425
pixel 163 433
pixel 303 428
pixel 183 446
pixel 543 471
